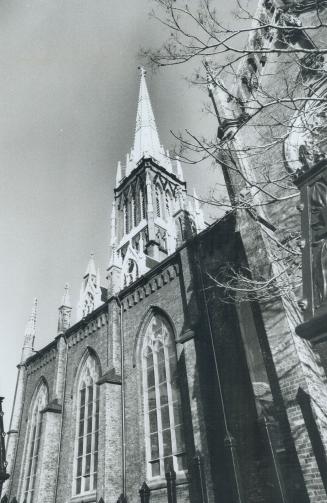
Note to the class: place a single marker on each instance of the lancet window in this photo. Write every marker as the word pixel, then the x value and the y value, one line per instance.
pixel 142 203
pixel 134 221
pixel 32 448
pixel 165 445
pixel 168 204
pixel 158 201
pixel 125 211
pixel 87 429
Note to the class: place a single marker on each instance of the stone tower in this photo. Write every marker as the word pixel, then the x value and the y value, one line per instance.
pixel 151 216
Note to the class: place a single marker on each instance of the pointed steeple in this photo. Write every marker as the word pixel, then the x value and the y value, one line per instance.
pixel 146 141
pixel 28 347
pixel 64 311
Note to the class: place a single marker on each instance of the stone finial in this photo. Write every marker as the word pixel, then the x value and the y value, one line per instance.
pixel 66 297
pixel 90 270
pixel 28 347
pixel 65 310
pixel 90 293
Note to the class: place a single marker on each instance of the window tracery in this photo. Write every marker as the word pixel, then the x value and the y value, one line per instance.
pixel 87 429
pixel 165 446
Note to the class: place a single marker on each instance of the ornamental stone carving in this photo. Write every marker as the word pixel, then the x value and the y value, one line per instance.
pixel 306 144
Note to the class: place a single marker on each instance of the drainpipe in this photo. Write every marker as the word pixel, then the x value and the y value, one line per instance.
pixel 122 374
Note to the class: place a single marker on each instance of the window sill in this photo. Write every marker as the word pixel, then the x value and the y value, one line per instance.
pixel 160 483
pixel 89 497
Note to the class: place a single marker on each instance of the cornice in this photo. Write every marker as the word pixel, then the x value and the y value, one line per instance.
pixel 144 163
pixel 153 284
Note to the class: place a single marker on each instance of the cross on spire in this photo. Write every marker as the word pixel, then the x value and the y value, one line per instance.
pixel 142 71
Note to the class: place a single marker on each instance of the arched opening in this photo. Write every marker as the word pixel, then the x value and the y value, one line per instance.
pixel 87 428
pixel 165 446
pixel 33 442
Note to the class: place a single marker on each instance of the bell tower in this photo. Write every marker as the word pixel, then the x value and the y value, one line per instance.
pixel 150 213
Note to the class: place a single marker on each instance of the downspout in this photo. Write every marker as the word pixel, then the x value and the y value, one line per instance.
pixel 122 374
pixel 62 419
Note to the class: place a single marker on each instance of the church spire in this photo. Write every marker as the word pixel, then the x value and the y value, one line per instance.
pixel 28 347
pixel 146 141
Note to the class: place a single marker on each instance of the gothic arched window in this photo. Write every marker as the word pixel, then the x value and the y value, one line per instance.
pixel 87 428
pixel 162 404
pixel 32 447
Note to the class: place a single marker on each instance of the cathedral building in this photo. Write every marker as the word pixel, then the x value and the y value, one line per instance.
pixel 163 388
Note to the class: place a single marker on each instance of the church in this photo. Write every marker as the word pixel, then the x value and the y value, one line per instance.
pixel 163 389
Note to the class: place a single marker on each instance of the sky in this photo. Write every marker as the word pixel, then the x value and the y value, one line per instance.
pixel 68 96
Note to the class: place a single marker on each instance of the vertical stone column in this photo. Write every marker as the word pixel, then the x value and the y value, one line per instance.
pixel 114 350
pixel 110 463
pixel 61 369
pixel 12 435
pixel 114 279
pixel 51 430
pixel 51 427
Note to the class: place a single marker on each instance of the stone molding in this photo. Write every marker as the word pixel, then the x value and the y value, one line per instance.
pixel 110 377
pixel 53 406
pixel 89 329
pixel 154 284
pixel 186 336
pixel 43 360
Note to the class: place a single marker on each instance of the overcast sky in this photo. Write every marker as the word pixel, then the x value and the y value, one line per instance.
pixel 68 96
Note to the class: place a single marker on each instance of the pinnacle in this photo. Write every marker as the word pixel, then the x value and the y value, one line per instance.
pixel 90 270
pixel 31 324
pixel 66 297
pixel 30 333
